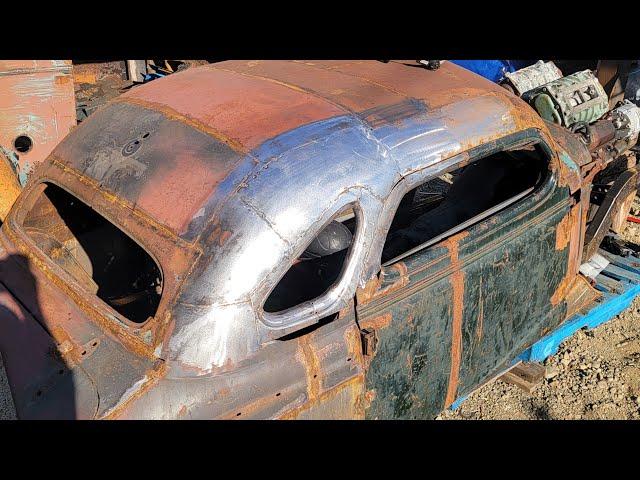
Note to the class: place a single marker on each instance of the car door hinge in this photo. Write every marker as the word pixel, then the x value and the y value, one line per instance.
pixel 369 341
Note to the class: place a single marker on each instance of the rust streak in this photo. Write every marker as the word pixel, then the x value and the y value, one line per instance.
pixel 379 322
pixel 563 231
pixel 479 327
pixel 457 283
pixel 312 367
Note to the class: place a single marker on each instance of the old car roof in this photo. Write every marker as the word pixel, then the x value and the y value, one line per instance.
pixel 252 111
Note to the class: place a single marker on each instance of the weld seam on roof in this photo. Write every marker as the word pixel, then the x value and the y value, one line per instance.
pixel 173 114
pixel 365 79
pixel 288 85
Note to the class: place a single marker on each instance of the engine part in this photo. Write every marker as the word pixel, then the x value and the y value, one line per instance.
pixel 596 134
pixel 531 77
pixel 626 119
pixel 572 99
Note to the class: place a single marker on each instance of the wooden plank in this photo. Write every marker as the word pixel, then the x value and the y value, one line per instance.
pixel 525 375
pixel 137 70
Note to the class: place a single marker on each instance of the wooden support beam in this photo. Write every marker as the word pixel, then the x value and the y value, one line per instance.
pixel 137 69
pixel 525 375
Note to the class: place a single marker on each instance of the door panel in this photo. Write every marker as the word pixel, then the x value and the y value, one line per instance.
pixel 508 295
pixel 449 317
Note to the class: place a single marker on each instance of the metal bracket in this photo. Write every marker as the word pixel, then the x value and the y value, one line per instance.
pixel 613 200
pixel 369 341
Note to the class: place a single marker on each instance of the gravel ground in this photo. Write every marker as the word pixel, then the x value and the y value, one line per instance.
pixel 594 375
pixel 7 411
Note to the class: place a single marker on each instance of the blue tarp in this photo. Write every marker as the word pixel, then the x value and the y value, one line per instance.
pixel 494 70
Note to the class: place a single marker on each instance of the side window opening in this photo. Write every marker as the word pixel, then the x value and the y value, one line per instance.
pixel 438 206
pixel 99 256
pixel 318 268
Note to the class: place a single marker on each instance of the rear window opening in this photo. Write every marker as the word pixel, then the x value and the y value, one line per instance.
pixel 98 255
pixel 318 268
pixel 456 200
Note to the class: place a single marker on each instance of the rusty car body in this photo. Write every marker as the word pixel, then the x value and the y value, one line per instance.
pixel 223 175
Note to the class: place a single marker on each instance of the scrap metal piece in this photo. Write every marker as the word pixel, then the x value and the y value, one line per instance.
pixel 37 105
pixel 430 64
pixel 594 266
pixel 611 203
pixel 531 77
pixel 369 341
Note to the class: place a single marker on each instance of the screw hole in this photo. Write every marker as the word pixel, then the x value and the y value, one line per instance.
pixel 315 376
pixel 349 359
pixel 22 144
pixel 145 135
pixel 84 352
pixel 278 394
pixel 238 414
pixel 94 344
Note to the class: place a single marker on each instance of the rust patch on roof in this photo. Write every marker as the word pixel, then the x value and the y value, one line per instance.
pixel 245 110
pixel 183 118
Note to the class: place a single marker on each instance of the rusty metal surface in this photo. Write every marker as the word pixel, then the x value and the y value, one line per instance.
pixel 9 186
pixel 37 101
pixel 224 173
pixel 614 199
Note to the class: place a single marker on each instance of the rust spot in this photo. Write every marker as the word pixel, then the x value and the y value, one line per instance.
pixel 352 409
pixel 381 321
pixel 563 231
pixel 62 79
pixel 224 237
pixel 457 284
pixel 311 363
pixel 369 396
pixel 568 232
pixel 479 327
pixel 368 292
pixel 562 290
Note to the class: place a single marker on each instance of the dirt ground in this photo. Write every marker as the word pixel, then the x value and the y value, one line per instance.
pixel 594 375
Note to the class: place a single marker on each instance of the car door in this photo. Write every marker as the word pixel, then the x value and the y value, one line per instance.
pixel 453 312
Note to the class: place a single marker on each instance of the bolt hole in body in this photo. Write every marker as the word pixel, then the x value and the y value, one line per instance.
pixel 22 144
